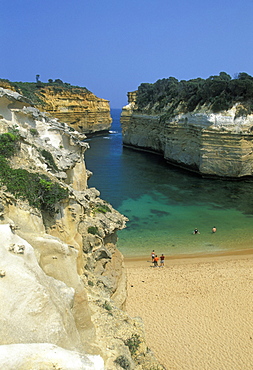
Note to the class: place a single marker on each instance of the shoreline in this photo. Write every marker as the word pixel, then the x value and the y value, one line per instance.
pixel 190 258
pixel 196 310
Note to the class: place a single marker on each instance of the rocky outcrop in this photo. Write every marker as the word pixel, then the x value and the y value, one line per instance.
pixel 63 283
pixel 76 106
pixel 47 357
pixel 212 144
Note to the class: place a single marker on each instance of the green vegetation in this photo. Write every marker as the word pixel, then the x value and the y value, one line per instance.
pixel 38 189
pixel 34 131
pixel 217 92
pixel 133 343
pixel 29 90
pixel 101 208
pixel 107 306
pixel 35 90
pixel 93 230
pixel 8 144
pixel 123 362
pixel 49 159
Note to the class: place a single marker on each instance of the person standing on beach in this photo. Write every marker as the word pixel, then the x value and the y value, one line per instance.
pixel 153 255
pixel 156 259
pixel 162 260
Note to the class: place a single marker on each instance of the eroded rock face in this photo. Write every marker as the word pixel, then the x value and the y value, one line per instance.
pixel 46 356
pixel 44 304
pixel 76 106
pixel 213 144
pixel 84 112
pixel 62 278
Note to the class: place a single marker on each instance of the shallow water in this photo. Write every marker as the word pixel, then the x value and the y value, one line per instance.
pixel 164 204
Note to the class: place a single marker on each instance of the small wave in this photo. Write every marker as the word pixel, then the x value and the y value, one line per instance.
pixel 113 132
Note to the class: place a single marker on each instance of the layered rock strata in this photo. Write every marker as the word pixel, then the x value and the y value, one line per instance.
pixel 85 112
pixel 212 144
pixel 63 283
pixel 76 106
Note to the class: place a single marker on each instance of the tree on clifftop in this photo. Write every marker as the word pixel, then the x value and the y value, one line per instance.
pixel 216 92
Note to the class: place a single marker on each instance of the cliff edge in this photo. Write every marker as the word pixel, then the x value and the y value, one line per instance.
pixel 63 282
pixel 74 105
pixel 204 126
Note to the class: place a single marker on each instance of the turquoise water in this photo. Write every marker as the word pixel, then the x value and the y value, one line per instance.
pixel 164 204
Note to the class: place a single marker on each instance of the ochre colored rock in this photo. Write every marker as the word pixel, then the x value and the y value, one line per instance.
pixel 85 112
pixel 76 106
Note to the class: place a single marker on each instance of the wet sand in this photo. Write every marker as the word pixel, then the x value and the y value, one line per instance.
pixel 197 310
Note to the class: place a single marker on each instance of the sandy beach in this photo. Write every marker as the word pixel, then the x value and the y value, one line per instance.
pixel 197 312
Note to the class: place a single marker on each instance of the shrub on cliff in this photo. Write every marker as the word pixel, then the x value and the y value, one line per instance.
pixel 123 362
pixel 8 144
pixel 217 92
pixel 38 189
pixel 101 208
pixel 49 159
pixel 93 230
pixel 133 343
pixel 35 91
pixel 30 90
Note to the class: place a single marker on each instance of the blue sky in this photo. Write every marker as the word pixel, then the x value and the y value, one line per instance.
pixel 112 46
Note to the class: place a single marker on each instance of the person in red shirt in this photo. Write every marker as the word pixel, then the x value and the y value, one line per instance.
pixel 162 260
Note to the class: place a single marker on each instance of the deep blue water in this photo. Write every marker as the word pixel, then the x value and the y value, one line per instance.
pixel 164 204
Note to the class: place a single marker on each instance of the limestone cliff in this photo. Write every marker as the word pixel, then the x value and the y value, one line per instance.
pixel 212 144
pixel 74 105
pixel 63 283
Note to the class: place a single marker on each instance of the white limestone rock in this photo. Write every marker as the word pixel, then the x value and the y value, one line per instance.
pixel 42 133
pixel 213 144
pixel 45 356
pixel 34 307
pixel 51 267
